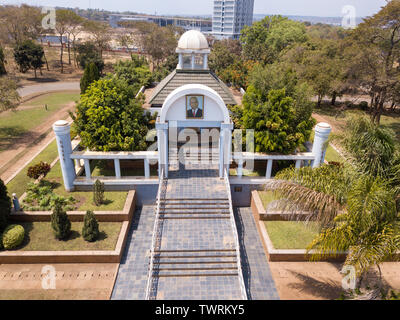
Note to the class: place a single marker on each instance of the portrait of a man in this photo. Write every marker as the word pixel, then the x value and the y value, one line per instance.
pixel 194 107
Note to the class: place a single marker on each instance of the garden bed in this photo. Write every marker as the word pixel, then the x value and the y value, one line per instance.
pixel 39 236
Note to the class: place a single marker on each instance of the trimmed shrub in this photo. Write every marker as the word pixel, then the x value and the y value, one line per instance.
pixel 98 193
pixel 60 222
pixel 5 206
pixel 13 236
pixel 90 230
pixel 38 170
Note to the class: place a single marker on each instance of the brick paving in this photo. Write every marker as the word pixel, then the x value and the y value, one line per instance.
pixel 257 275
pixel 131 281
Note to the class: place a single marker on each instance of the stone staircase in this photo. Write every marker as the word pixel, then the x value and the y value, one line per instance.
pixel 194 209
pixel 196 263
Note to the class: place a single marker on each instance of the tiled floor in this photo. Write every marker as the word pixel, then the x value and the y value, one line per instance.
pixel 256 272
pixel 133 271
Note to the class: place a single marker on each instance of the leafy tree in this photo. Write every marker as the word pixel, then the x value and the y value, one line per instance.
pixel 224 54
pixel 266 39
pixel 61 28
pixel 100 32
pixel 98 193
pixel 90 230
pixel 74 24
pixel 3 70
pixel 5 206
pixel 29 55
pixel 371 147
pixel 87 53
pixel 373 53
pixel 135 73
pixel 90 75
pixel 60 222
pixel 165 68
pixel 274 121
pixel 9 97
pixel 110 118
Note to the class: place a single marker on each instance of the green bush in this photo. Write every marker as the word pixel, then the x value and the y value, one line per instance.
pixel 98 193
pixel 5 205
pixel 60 222
pixel 90 230
pixel 13 236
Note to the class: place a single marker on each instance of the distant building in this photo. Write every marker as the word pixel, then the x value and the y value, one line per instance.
pixel 230 16
pixel 202 25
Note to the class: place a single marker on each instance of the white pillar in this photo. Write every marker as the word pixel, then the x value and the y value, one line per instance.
pixel 159 148
pixel 221 153
pixel 87 169
pixel 146 168
pixel 268 173
pixel 117 169
pixel 322 131
pixel 180 64
pixel 240 168
pixel 165 138
pixel 205 61
pixel 193 61
pixel 63 137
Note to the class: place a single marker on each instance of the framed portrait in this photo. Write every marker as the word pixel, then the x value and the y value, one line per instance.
pixel 194 107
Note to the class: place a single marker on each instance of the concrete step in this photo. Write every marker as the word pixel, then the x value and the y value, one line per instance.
pixel 194 217
pixel 195 260
pixel 195 254
pixel 195 266
pixel 175 211
pixel 197 273
pixel 195 199
pixel 199 206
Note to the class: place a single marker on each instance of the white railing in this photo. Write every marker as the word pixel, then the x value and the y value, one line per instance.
pixel 154 239
pixel 236 238
pixel 86 156
pixel 241 157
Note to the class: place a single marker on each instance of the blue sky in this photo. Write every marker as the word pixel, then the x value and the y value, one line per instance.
pixel 324 8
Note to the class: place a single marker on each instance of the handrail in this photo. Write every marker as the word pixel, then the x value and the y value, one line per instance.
pixel 153 241
pixel 235 234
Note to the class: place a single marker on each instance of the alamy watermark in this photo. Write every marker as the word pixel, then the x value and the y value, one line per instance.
pixel 49 20
pixel 48 277
pixel 350 278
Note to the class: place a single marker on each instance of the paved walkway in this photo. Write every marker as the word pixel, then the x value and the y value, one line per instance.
pixel 48 87
pixel 257 275
pixel 133 271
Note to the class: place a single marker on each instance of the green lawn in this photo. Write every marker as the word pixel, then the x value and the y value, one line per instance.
pixel 15 123
pixel 291 234
pixel 39 236
pixel 99 168
pixel 332 155
pixel 267 197
pixel 19 183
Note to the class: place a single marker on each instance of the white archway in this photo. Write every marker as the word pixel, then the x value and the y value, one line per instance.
pixel 215 114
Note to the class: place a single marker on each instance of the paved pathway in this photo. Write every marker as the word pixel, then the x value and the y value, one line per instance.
pixel 257 275
pixel 133 271
pixel 48 87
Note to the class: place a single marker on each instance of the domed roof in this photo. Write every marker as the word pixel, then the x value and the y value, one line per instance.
pixel 193 40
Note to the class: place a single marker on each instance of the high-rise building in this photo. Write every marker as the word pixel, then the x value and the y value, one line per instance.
pixel 230 16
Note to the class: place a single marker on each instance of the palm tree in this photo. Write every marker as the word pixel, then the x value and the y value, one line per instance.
pixel 355 203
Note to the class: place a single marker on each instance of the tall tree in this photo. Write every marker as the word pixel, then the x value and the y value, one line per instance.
pixel 29 55
pixel 9 97
pixel 266 39
pixel 374 55
pixel 3 70
pixel 90 75
pixel 100 33
pixel 62 24
pixel 74 28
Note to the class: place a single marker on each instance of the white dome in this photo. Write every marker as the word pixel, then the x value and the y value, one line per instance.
pixel 193 40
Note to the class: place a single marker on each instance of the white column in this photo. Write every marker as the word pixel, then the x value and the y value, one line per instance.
pixel 165 138
pixel 180 64
pixel 193 62
pixel 221 153
pixel 146 168
pixel 87 169
pixel 159 148
pixel 205 61
pixel 322 131
pixel 63 137
pixel 240 168
pixel 298 164
pixel 268 173
pixel 117 169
